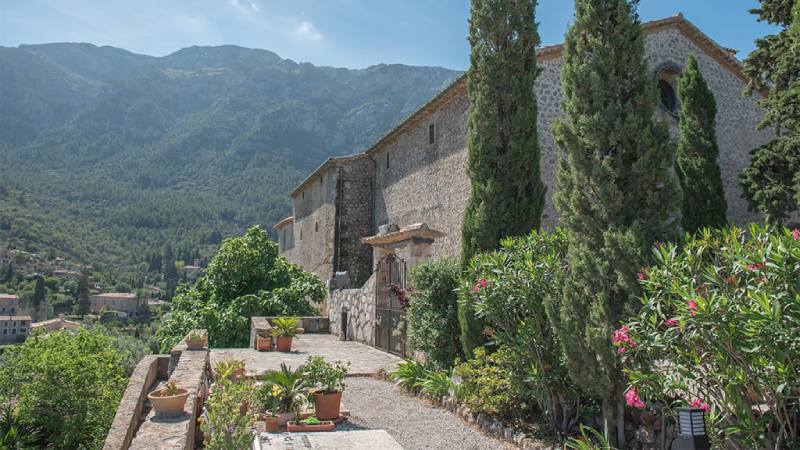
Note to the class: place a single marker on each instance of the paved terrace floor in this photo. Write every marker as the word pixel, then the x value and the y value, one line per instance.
pixel 364 360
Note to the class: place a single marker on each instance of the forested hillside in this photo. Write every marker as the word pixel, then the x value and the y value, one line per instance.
pixel 106 155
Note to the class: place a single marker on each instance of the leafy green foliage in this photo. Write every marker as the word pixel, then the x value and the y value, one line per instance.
pixel 129 152
pixel 245 278
pixel 506 190
pixel 229 426
pixel 720 318
pixel 590 439
pixel 285 326
pixel 432 313
pixel 327 377
pixel 435 384
pixel 289 387
pixel 409 374
pixel 771 181
pixel 704 202
pixel 487 385
pixel 510 290
pixel 67 385
pixel 615 190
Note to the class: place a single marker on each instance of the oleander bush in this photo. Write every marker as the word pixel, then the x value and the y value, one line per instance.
pixel 433 312
pixel 719 328
pixel 509 291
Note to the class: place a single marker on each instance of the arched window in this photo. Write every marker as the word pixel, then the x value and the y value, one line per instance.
pixel 669 99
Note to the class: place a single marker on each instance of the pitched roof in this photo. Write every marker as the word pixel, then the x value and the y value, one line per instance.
pixel 330 162
pixel 284 222
pixel 15 317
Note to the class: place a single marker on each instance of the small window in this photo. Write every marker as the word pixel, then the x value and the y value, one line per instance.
pixel 13 331
pixel 301 235
pixel 316 227
pixel 387 160
pixel 668 98
pixel 5 331
pixel 431 134
pixel 320 179
pixel 303 194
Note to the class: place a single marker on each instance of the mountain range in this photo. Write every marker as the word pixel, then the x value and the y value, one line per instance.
pixel 107 155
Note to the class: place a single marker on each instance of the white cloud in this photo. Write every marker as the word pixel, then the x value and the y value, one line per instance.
pixel 248 6
pixel 307 30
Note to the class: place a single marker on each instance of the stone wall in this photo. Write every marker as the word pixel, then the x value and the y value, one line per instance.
pixel 354 209
pixel 314 225
pixel 361 312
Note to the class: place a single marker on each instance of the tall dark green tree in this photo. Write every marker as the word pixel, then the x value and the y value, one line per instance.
pixel 771 180
pixel 506 191
pixel 616 191
pixel 171 276
pixel 704 202
pixel 38 297
pixel 83 306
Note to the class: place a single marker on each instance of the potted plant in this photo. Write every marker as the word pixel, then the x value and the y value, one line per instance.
pixel 284 329
pixel 232 369
pixel 328 379
pixel 168 400
pixel 270 403
pixel 264 343
pixel 227 425
pixel 290 390
pixel 310 424
pixel 196 340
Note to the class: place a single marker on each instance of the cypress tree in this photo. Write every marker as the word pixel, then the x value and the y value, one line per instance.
pixel 83 305
pixel 507 193
pixel 704 202
pixel 506 190
pixel 616 191
pixel 38 296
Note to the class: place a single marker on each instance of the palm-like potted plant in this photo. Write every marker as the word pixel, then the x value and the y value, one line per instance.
pixel 232 369
pixel 290 389
pixel 284 329
pixel 196 340
pixel 168 400
pixel 328 381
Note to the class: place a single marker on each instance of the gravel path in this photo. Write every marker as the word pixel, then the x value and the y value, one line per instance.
pixel 375 404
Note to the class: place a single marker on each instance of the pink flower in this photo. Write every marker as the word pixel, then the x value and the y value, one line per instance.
pixel 697 403
pixel 482 282
pixel 796 234
pixel 756 266
pixel 621 339
pixel 475 289
pixel 620 349
pixel 671 323
pixel 642 275
pixel 692 306
pixel 632 399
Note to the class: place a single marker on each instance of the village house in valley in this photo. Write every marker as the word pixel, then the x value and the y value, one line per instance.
pixel 411 186
pixel 15 326
pixel 123 302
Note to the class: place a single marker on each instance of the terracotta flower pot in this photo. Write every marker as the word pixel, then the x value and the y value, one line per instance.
pixel 326 406
pixel 264 343
pixel 284 343
pixel 196 344
pixel 284 417
pixel 172 404
pixel 297 427
pixel 272 424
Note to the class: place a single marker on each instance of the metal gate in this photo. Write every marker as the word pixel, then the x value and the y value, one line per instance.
pixel 390 303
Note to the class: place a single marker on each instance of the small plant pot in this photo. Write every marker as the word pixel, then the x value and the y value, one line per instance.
pixel 284 343
pixel 196 344
pixel 272 424
pixel 299 427
pixel 171 405
pixel 327 406
pixel 264 343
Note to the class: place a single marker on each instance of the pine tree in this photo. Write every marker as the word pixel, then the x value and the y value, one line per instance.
pixel 506 193
pixel 704 202
pixel 771 180
pixel 616 191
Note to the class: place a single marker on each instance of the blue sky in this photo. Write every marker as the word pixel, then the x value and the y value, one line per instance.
pixel 342 33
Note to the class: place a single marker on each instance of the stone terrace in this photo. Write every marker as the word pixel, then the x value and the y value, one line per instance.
pixel 364 360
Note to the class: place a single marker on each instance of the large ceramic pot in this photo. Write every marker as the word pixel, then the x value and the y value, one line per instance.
pixel 327 406
pixel 196 344
pixel 284 343
pixel 169 405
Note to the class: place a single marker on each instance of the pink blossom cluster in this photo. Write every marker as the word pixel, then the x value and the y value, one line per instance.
pixel 480 284
pixel 756 266
pixel 697 403
pixel 671 323
pixel 621 340
pixel 796 234
pixel 692 305
pixel 632 399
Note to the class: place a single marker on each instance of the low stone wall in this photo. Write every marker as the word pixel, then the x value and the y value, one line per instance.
pixel 190 370
pixel 261 326
pixel 126 420
pixel 360 315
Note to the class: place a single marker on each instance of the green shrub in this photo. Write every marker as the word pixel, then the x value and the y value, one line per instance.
pixel 720 323
pixel 228 427
pixel 66 385
pixel 435 383
pixel 325 376
pixel 408 374
pixel 245 278
pixel 509 290
pixel 486 383
pixel 433 312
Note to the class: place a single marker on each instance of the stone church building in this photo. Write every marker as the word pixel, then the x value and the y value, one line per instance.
pixel 405 195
